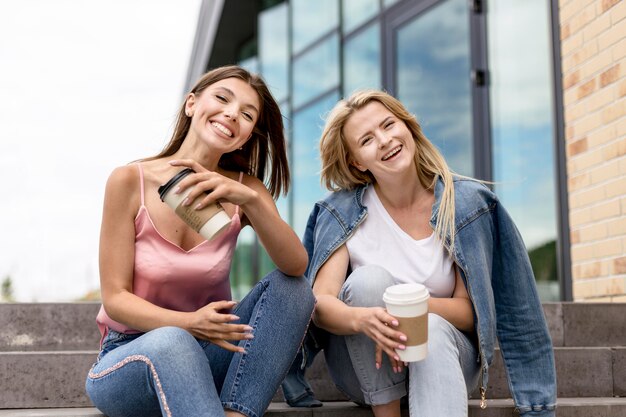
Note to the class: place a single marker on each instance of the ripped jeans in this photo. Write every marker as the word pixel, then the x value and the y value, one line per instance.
pixel 168 372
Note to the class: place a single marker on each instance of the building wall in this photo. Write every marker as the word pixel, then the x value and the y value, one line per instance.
pixel 593 50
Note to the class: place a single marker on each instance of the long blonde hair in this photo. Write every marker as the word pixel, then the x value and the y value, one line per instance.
pixel 338 174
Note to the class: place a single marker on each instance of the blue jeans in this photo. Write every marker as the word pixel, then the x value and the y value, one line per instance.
pixel 169 372
pixel 438 385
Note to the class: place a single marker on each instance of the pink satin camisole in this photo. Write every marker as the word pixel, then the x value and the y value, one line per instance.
pixel 173 278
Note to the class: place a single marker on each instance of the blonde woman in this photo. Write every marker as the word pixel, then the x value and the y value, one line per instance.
pixel 398 215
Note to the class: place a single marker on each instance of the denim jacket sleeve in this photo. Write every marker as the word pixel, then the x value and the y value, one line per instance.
pixel 523 335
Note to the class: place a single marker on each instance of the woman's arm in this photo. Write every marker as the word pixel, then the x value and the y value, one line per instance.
pixel 277 237
pixel 117 257
pixel 335 316
pixel 457 309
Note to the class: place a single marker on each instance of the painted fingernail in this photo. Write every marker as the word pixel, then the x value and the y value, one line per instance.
pixel 248 328
pixel 396 358
pixel 377 365
pixel 395 322
pixel 198 206
pixel 249 336
pixel 177 190
pixel 403 338
pixel 174 162
pixel 186 201
pixel 401 347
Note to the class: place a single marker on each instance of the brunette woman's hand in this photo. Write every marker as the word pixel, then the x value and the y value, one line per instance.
pixel 209 323
pixel 379 326
pixel 211 186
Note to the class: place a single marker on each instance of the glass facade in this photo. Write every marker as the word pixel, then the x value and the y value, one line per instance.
pixel 433 63
pixel 521 96
pixel 361 60
pixel 427 53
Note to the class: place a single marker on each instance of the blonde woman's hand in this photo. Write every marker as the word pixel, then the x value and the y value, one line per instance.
pixel 210 323
pixel 380 326
pixel 211 186
pixel 396 364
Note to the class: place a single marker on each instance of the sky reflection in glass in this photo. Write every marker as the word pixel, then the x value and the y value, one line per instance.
pixel 274 49
pixel 317 71
pixel 307 189
pixel 312 19
pixel 521 98
pixel 521 102
pixel 356 12
pixel 361 60
pixel 433 79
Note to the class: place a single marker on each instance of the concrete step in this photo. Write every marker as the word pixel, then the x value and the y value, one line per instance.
pixel 581 372
pixel 44 379
pixel 71 326
pixel 586 324
pixel 48 326
pixel 567 407
pixel 58 342
pixel 25 377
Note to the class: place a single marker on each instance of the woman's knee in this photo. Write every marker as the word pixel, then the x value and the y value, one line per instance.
pixel 293 290
pixel 169 342
pixel 365 286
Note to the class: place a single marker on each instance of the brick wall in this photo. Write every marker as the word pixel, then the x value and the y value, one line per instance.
pixel 593 49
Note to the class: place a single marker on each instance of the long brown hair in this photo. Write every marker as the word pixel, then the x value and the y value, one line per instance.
pixel 338 174
pixel 267 140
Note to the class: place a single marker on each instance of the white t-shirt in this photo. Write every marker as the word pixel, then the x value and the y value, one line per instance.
pixel 380 241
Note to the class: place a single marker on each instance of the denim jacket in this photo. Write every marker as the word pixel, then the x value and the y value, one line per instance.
pixel 495 267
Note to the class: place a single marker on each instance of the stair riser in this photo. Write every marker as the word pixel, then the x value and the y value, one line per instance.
pixel 71 326
pixel 48 326
pixel 44 380
pixel 57 379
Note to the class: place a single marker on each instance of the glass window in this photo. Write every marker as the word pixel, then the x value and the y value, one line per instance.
pixel 307 129
pixel 312 19
pixel 243 273
pixel 356 12
pixel 274 49
pixel 521 98
pixel 388 3
pixel 361 60
pixel 433 69
pixel 316 71
pixel 251 64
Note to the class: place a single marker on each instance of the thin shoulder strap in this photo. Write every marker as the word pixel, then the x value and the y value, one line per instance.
pixel 141 182
pixel 240 179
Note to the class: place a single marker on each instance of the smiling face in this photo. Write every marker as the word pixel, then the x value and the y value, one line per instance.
pixel 224 114
pixel 379 142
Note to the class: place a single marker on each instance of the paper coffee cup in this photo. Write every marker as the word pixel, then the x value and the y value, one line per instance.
pixel 409 304
pixel 209 221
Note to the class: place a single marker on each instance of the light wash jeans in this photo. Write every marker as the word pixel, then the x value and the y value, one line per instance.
pixel 169 372
pixel 438 385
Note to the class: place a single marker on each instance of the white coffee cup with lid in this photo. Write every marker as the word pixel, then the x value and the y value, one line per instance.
pixel 209 221
pixel 409 304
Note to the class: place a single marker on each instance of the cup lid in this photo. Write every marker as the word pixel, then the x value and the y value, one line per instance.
pixel 163 189
pixel 406 293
